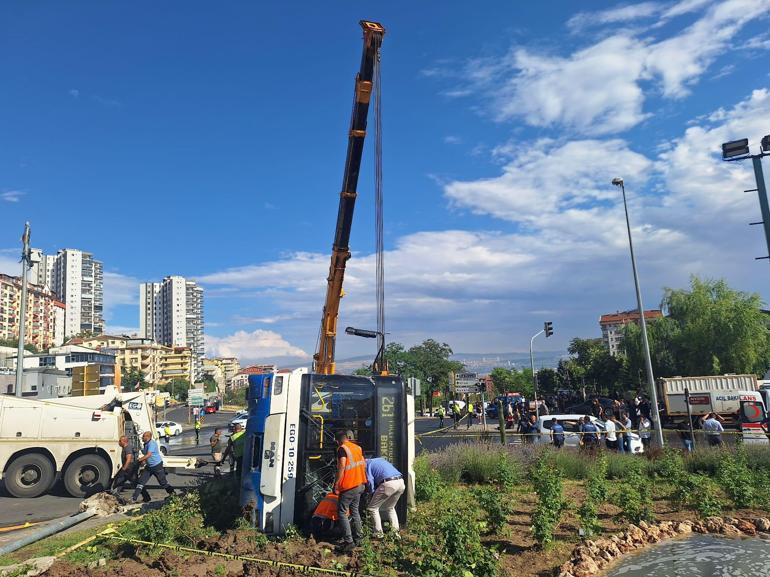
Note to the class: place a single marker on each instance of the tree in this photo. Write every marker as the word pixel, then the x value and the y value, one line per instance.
pixel 512 380
pixel 719 327
pixel 209 384
pixel 547 381
pixel 178 388
pixel 14 343
pixel 133 380
pixel 430 363
pixel 595 367
pixel 708 329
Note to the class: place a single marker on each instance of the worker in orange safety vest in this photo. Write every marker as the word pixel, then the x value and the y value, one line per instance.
pixel 349 485
pixel 324 522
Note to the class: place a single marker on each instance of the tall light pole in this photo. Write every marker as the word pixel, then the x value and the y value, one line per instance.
pixel 548 330
pixel 25 264
pixel 739 150
pixel 654 414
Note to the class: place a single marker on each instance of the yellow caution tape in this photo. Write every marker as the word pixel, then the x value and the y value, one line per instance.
pixel 268 562
pixel 21 526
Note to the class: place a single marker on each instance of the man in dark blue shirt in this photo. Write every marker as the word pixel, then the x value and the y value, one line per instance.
pixel 386 485
pixel 557 434
pixel 153 467
pixel 590 434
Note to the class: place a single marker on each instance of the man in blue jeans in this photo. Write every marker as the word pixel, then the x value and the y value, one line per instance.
pixel 153 466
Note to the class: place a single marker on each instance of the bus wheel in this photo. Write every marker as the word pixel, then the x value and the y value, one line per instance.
pixel 30 475
pixel 84 473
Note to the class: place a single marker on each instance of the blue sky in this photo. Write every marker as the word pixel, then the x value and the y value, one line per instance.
pixel 208 141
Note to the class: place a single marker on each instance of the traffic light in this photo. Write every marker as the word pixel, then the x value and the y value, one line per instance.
pixel 548 326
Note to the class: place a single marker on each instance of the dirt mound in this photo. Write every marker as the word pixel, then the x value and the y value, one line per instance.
pixel 117 568
pixel 103 503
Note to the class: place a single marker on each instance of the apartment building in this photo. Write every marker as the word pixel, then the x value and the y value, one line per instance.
pixel 171 313
pixel 78 281
pixel 177 363
pixel 222 370
pixel 213 368
pixel 44 325
pixel 613 324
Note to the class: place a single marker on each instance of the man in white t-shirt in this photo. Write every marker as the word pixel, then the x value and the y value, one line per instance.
pixel 611 438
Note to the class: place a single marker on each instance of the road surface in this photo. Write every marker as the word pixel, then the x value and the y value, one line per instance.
pixel 58 503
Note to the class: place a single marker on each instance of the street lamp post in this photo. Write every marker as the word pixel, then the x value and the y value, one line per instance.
pixel 548 330
pixel 654 414
pixel 534 376
pixel 739 150
pixel 26 262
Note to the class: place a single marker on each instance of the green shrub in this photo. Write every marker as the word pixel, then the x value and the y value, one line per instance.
pixel 697 492
pixel 705 460
pixel 180 521
pixel 428 481
pixel 621 466
pixel 737 480
pixel 448 543
pixel 634 495
pixel 670 465
pixel 572 464
pixel 597 490
pixel 550 503
pixel 480 464
pixel 507 473
pixel 496 506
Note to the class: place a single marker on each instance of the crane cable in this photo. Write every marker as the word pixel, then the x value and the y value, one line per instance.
pixel 378 206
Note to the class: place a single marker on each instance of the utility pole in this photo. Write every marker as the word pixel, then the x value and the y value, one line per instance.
pixel 548 330
pixel 534 376
pixel 739 150
pixel 25 264
pixel 654 413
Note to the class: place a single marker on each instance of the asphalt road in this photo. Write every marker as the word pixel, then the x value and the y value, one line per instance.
pixel 59 503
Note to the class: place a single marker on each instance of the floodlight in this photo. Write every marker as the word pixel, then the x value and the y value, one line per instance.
pixel 735 148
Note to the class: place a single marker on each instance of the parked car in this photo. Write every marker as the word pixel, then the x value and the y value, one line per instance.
pixel 210 409
pixel 239 419
pixel 571 428
pixel 176 428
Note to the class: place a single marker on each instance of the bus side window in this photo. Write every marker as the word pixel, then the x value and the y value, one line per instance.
pixel 256 452
pixel 278 386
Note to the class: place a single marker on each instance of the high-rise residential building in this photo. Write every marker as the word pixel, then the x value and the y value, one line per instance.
pixel 44 326
pixel 613 324
pixel 78 280
pixel 171 313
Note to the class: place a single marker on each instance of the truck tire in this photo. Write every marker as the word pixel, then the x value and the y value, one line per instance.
pixel 84 473
pixel 30 475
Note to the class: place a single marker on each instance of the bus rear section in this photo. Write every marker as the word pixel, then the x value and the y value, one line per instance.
pixel 290 448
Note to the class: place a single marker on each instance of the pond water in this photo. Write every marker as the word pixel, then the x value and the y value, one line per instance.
pixel 699 556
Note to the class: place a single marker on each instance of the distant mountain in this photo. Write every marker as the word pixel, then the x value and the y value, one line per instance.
pixel 481 363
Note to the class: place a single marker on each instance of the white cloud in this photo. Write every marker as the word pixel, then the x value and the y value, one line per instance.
pixel 258 345
pixel 74 92
pixel 548 177
pixel 695 176
pixel 12 195
pixel 121 330
pixel 615 15
pixel 452 139
pixel 119 290
pixel 9 261
pixel 680 60
pixel 599 89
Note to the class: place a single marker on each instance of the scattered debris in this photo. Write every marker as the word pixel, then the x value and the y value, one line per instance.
pixel 103 503
pixel 30 567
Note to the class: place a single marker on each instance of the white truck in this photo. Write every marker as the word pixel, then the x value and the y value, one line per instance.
pixel 72 438
pixel 734 397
